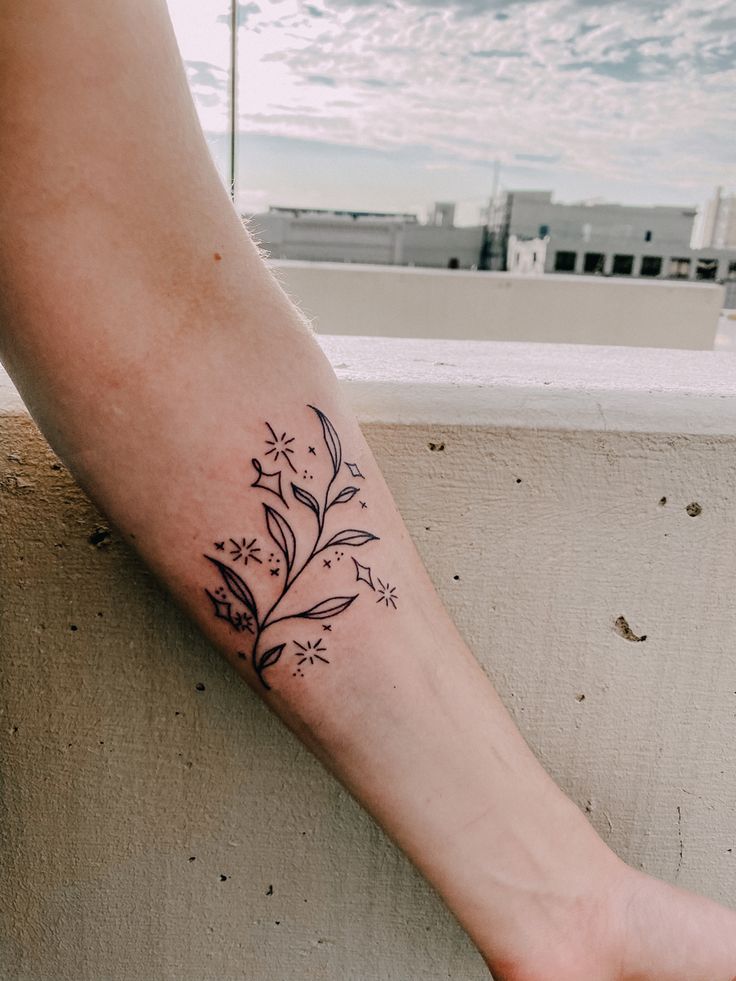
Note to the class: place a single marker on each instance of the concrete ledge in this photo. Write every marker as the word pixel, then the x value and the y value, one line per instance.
pixel 398 301
pixel 537 386
pixel 589 558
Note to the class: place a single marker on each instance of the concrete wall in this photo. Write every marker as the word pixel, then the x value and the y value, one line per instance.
pixel 393 302
pixel 552 490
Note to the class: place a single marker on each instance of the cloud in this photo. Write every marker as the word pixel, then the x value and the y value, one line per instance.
pixel 497 53
pixel 537 157
pixel 206 74
pixel 591 86
pixel 321 80
pixel 244 13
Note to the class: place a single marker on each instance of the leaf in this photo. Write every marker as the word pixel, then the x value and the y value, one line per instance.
pixel 345 495
pixel 351 536
pixel 332 440
pixel 304 497
pixel 237 586
pixel 270 657
pixel 328 608
pixel 280 530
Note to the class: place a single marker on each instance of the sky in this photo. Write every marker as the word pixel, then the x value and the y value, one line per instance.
pixel 389 105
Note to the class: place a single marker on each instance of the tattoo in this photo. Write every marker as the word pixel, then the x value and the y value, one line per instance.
pixel 234 601
pixel 280 447
pixel 244 550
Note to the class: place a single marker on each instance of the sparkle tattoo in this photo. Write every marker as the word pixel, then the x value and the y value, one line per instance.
pixel 240 603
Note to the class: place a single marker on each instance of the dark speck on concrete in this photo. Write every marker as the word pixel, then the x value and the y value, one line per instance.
pixel 73 626
pixel 192 858
pixel 694 509
pixel 456 578
pixel 199 686
pixel 663 501
pixel 269 891
pixel 100 537
pixel 622 627
pixel 436 447
pixel 223 878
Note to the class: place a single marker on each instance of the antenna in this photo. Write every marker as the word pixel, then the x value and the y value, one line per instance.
pixel 233 162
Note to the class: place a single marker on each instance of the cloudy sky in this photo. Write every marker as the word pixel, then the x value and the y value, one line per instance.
pixel 391 104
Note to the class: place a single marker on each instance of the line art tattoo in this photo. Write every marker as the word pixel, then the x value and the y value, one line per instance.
pixel 234 601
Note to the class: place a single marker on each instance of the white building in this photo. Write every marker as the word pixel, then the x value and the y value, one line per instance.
pixel 383 238
pixel 526 256
pixel 527 232
pixel 594 238
pixel 715 226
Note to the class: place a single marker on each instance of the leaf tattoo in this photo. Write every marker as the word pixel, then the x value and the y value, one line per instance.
pixel 269 658
pixel 236 585
pixel 345 495
pixel 304 497
pixel 332 440
pixel 280 530
pixel 328 608
pixel 351 536
pixel 233 591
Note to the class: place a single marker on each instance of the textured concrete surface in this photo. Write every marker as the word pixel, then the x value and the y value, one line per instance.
pixel 152 830
pixel 391 301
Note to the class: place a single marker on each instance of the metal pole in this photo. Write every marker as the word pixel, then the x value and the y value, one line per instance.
pixel 233 97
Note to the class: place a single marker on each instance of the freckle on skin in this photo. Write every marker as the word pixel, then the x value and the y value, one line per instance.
pixel 217 256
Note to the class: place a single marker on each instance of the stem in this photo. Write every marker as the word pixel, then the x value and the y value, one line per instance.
pixel 289 582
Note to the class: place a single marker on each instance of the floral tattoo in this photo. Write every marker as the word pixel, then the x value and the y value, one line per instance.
pixel 234 600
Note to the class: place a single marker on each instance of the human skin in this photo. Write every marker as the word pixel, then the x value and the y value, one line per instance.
pixel 135 315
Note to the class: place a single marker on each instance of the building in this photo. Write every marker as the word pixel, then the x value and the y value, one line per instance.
pixel 526 232
pixel 383 238
pixel 596 238
pixel 526 256
pixel 715 226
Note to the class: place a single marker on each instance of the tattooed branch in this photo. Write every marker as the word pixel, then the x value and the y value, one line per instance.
pixel 233 599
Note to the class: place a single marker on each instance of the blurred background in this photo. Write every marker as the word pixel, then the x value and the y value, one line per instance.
pixel 529 137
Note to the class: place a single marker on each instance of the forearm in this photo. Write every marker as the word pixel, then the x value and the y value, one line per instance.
pixel 161 359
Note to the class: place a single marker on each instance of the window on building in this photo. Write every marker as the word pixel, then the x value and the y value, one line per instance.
pixel 543 231
pixel 651 265
pixel 706 268
pixel 647 236
pixel 594 262
pixel 732 270
pixel 679 268
pixel 623 265
pixel 565 261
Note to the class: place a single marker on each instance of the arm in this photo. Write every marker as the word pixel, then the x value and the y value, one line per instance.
pixel 172 374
